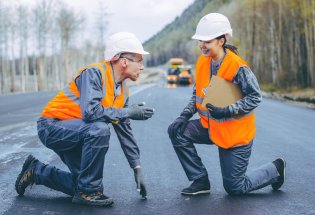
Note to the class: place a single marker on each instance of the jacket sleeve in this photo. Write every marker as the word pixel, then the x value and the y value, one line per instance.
pixel 127 141
pixel 89 83
pixel 190 108
pixel 249 86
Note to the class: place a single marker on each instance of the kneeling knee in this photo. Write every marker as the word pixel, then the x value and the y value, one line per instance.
pixel 233 188
pixel 99 129
pixel 177 138
pixel 170 130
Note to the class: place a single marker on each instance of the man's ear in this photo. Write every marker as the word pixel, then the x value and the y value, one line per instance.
pixel 123 63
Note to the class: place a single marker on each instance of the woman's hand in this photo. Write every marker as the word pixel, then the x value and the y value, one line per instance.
pixel 217 112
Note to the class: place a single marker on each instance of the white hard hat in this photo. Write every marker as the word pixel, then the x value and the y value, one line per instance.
pixel 122 42
pixel 211 26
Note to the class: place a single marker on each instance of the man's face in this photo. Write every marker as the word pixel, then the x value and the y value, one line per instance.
pixel 133 66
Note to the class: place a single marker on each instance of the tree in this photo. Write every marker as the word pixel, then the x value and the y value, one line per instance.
pixel 69 23
pixel 43 18
pixel 101 25
pixel 24 33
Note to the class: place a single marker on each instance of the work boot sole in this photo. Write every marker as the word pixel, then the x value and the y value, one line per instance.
pixel 278 185
pixel 195 193
pixel 102 203
pixel 30 159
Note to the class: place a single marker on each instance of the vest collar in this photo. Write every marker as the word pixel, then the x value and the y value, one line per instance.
pixel 117 86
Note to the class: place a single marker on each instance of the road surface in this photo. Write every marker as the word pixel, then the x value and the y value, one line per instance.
pixel 282 130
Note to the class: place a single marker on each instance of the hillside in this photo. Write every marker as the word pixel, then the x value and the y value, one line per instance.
pixel 276 38
pixel 175 38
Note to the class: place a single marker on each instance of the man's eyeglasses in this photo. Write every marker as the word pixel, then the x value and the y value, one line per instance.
pixel 133 60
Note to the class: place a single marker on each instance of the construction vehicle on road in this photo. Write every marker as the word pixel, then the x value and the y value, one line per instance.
pixel 185 76
pixel 173 70
pixel 178 72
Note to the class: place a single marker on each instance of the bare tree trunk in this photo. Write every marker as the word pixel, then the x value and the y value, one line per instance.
pixel 35 73
pixel 313 42
pixel 309 40
pixel 278 39
pixel 13 68
pixel 273 60
pixel 253 31
pixel 27 73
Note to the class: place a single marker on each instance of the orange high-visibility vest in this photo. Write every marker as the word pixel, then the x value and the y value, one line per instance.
pixel 231 132
pixel 66 104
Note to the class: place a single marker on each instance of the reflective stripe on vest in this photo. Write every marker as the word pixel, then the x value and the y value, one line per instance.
pixel 71 96
pixel 103 78
pixel 204 113
pixel 126 93
pixel 66 104
pixel 199 99
pixel 225 133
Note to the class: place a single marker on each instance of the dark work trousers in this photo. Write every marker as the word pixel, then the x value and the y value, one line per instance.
pixel 233 161
pixel 81 146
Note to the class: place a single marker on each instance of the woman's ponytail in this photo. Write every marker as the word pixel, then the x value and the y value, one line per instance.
pixel 231 47
pixel 228 46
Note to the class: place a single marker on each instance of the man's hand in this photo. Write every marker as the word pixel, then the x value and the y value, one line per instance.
pixel 140 112
pixel 140 182
pixel 179 124
pixel 217 112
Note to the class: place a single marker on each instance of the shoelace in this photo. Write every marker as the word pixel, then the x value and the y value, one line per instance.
pixel 93 196
pixel 26 179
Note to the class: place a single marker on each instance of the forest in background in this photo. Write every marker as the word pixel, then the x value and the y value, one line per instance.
pixel 43 45
pixel 276 37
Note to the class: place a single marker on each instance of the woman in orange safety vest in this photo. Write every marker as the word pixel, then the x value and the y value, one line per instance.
pixel 231 128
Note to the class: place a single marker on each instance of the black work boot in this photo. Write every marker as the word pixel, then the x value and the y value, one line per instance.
pixel 26 176
pixel 280 165
pixel 95 199
pixel 199 186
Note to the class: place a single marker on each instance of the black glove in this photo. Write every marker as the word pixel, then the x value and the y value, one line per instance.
pixel 217 112
pixel 139 112
pixel 140 183
pixel 179 124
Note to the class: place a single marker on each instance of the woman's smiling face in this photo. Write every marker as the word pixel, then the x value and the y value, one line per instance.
pixel 211 47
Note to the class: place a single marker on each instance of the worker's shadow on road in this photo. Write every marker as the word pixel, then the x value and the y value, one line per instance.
pixel 46 204
pixel 235 198
pixel 260 195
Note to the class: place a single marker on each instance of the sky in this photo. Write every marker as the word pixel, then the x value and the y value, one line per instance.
pixel 142 17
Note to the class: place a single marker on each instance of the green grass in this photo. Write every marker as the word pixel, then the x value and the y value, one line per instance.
pixel 269 88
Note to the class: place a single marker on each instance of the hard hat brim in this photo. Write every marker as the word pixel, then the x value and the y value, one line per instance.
pixel 110 57
pixel 202 38
pixel 211 37
pixel 142 52
pixel 135 52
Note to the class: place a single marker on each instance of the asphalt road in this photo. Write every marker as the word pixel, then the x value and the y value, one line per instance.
pixel 282 130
